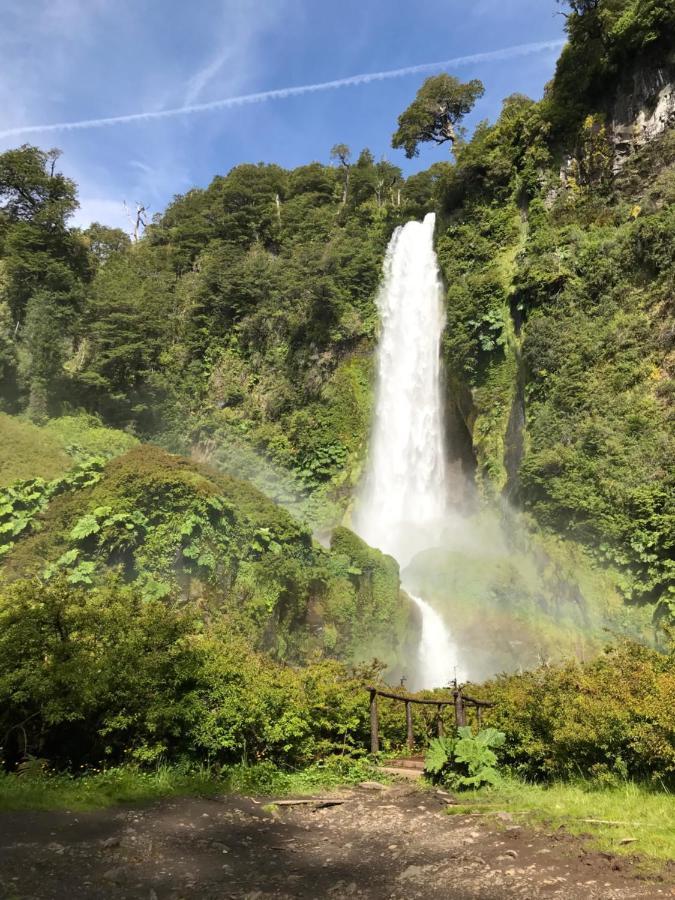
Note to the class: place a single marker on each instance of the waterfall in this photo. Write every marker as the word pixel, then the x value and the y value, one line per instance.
pixel 436 651
pixel 404 499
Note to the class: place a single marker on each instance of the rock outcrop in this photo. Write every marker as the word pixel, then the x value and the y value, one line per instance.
pixel 643 108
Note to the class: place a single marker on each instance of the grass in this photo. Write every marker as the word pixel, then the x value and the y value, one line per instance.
pixel 642 820
pixel 48 451
pixel 126 784
pixel 102 789
pixel 27 451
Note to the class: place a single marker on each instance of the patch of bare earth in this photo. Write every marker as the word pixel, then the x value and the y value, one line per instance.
pixel 390 843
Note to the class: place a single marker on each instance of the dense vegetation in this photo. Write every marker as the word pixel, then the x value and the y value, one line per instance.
pixel 609 720
pixel 172 530
pixel 239 325
pixel 157 606
pixel 560 283
pixel 101 676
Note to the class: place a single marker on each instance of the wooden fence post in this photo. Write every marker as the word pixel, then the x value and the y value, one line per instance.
pixel 409 724
pixel 459 702
pixel 459 708
pixel 374 725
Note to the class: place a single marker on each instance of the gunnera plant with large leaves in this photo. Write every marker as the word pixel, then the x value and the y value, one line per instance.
pixel 465 759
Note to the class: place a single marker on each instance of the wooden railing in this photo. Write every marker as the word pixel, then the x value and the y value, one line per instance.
pixel 459 701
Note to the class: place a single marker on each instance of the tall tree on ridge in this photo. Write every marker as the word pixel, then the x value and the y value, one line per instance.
pixel 342 154
pixel 45 265
pixel 440 104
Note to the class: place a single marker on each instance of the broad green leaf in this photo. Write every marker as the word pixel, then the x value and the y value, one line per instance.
pixel 84 527
pixel 438 755
pixel 82 573
pixel 68 558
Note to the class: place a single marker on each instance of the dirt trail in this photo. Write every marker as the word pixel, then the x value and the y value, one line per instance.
pixel 394 843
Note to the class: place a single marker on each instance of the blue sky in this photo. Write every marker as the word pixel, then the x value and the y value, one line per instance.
pixel 69 60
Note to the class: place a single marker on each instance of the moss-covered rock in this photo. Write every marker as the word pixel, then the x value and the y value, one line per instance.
pixel 382 615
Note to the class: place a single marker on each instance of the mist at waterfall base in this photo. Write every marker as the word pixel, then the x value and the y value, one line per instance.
pixel 491 594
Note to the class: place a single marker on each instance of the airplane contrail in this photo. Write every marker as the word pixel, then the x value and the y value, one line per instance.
pixel 283 93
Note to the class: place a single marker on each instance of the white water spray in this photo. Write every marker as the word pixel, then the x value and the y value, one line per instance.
pixel 404 499
pixel 437 653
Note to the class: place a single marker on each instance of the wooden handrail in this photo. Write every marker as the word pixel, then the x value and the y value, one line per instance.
pixel 458 701
pixel 443 701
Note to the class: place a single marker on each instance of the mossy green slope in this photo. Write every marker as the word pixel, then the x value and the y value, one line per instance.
pixel 173 528
pixel 27 451
pixel 47 451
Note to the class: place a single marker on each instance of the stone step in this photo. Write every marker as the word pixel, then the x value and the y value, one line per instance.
pixel 402 772
pixel 411 767
pixel 407 762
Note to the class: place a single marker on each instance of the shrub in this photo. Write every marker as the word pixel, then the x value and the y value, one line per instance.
pixel 170 527
pixel 102 676
pixel 613 717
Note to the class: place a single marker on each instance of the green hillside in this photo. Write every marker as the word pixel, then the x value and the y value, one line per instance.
pixel 172 529
pixel 28 451
pixel 49 450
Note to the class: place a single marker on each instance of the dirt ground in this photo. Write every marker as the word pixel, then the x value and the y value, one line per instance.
pixel 393 843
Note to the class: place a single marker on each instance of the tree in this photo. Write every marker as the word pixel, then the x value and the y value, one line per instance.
pixel 363 178
pixel 44 268
pixel 44 340
pixel 103 241
pixel 39 250
pixel 246 203
pixel 8 358
pixel 129 321
pixel 342 154
pixel 138 220
pixel 388 181
pixel 581 7
pixel 440 104
pixel 32 190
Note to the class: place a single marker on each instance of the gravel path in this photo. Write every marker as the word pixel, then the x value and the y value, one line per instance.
pixel 393 843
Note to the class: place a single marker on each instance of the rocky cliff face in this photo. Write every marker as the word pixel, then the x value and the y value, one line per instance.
pixel 644 107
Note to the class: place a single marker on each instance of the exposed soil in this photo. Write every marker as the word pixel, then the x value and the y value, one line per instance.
pixel 379 843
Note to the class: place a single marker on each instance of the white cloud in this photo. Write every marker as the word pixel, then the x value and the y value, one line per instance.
pixel 243 23
pixel 88 56
pixel 505 53
pixel 204 76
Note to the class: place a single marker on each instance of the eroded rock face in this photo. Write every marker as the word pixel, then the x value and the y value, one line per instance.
pixel 642 111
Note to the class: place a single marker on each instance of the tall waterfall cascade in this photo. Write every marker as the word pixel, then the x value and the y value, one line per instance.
pixel 404 498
